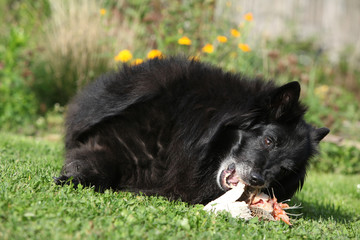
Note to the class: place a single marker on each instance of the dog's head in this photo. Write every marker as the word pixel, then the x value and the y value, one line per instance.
pixel 271 151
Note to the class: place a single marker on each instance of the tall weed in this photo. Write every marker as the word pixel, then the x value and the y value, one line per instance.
pixel 77 45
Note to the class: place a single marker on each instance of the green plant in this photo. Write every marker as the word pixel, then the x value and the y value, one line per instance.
pixel 17 103
pixel 175 33
pixel 78 44
pixel 18 22
pixel 337 159
pixel 332 106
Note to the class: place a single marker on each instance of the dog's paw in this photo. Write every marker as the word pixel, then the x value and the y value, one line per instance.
pixel 62 180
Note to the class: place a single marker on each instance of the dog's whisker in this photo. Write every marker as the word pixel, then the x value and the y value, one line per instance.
pixel 294 214
pixel 268 192
pixel 294 207
pixel 279 184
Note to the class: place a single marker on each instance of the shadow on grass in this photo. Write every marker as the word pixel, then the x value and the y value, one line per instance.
pixel 321 210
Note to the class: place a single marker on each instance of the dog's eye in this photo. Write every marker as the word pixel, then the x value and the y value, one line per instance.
pixel 268 142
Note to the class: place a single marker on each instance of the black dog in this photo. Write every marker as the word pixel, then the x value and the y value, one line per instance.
pixel 186 130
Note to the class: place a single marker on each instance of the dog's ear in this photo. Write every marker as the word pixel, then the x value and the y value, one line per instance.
pixel 320 133
pixel 284 102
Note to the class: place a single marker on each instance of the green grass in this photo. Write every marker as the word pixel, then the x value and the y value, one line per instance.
pixel 32 207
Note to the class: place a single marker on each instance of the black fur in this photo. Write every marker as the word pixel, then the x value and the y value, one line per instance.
pixel 171 126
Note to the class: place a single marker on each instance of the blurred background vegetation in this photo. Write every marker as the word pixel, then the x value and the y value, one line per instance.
pixel 49 49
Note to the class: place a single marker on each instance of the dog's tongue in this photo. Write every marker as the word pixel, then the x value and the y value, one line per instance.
pixel 233 179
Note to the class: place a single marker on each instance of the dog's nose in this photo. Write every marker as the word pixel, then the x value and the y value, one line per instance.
pixel 256 179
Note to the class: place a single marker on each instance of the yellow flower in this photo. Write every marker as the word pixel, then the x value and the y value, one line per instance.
pixel 208 48
pixel 322 91
pixel 154 54
pixel 244 47
pixel 102 11
pixel 123 56
pixel 235 33
pixel 249 17
pixel 184 41
pixel 222 39
pixel 137 61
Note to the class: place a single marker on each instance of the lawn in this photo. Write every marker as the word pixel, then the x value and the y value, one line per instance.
pixel 32 207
